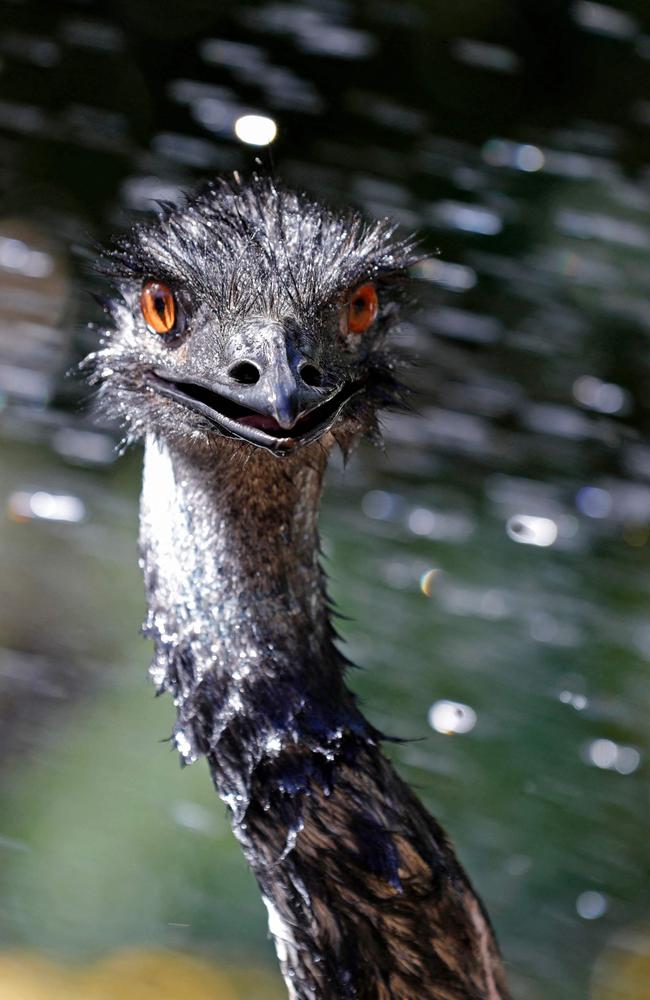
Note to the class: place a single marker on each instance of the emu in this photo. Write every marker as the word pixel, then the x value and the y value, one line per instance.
pixel 250 337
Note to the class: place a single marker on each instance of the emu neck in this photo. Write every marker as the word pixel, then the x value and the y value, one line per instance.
pixel 229 543
pixel 365 896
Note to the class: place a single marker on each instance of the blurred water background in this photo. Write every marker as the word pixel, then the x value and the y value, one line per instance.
pixel 493 562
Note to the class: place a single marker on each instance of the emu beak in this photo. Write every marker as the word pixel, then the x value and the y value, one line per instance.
pixel 260 394
pixel 259 427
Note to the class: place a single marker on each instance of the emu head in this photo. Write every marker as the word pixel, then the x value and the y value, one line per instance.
pixel 254 314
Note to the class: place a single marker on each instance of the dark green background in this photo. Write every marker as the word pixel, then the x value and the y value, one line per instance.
pixel 425 111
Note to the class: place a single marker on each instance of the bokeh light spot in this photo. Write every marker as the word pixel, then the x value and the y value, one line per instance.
pixel 256 130
pixel 528 530
pixel 610 756
pixel 427 581
pixel 591 905
pixel 451 717
pixel 594 502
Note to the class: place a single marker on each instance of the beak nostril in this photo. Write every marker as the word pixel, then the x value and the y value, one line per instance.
pixel 311 375
pixel 245 372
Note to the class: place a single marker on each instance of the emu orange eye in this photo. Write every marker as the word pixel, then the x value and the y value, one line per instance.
pixel 362 310
pixel 158 306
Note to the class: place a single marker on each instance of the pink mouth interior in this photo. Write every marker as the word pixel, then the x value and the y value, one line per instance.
pixel 261 422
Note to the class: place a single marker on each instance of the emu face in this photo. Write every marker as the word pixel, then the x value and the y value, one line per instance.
pixel 252 313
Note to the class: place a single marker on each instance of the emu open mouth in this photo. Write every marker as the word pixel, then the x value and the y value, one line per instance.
pixel 261 429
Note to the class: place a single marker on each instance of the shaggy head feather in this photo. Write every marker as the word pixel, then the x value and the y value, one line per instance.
pixel 239 258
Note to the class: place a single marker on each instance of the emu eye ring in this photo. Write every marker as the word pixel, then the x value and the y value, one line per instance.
pixel 362 308
pixel 159 309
